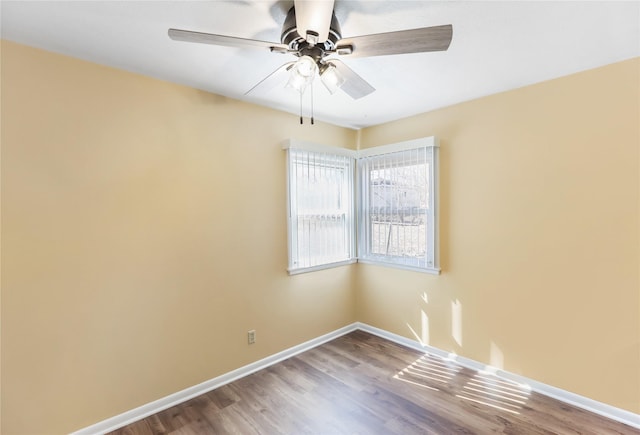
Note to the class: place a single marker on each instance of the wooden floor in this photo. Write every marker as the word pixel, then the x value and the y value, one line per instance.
pixel 363 384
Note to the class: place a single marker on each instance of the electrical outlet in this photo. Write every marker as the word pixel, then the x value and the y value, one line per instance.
pixel 251 336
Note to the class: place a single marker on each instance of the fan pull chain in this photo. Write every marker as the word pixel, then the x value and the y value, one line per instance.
pixel 301 108
pixel 311 86
pixel 301 105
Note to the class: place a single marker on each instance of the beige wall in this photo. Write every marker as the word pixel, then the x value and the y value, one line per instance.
pixel 133 261
pixel 540 241
pixel 143 234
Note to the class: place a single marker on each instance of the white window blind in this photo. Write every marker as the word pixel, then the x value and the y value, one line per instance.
pixel 397 205
pixel 320 209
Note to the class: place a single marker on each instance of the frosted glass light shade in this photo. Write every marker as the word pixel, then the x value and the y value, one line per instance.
pixel 331 78
pixel 302 73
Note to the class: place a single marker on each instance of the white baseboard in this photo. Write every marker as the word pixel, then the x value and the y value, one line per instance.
pixel 608 411
pixel 154 407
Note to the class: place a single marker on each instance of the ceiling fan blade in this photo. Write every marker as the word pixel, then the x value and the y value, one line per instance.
pixel 272 80
pixel 229 41
pixel 314 15
pixel 354 85
pixel 420 40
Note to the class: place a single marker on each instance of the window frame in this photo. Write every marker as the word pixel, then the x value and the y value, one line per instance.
pixel 350 213
pixel 431 147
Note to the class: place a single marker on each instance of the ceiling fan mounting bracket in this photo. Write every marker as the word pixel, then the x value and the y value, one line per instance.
pixel 297 42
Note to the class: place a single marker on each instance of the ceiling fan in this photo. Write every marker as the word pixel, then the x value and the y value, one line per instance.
pixel 312 33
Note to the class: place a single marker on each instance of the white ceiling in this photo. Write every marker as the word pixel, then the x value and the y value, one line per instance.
pixel 496 46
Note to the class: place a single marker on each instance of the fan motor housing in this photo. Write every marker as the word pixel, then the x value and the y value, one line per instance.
pixel 297 42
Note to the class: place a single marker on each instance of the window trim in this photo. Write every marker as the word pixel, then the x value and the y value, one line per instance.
pixel 432 145
pixel 353 221
pixel 319 148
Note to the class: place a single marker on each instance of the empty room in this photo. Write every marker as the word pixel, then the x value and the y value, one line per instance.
pixel 320 217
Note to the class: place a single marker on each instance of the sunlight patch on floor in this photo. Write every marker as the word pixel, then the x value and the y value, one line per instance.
pixel 428 371
pixel 487 389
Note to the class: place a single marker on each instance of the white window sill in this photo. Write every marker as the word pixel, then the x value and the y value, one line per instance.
pixel 321 267
pixel 429 270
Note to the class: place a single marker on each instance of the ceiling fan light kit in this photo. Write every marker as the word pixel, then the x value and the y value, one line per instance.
pixel 312 33
pixel 331 78
pixel 302 74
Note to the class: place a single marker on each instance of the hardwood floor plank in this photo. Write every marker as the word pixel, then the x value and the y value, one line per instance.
pixel 361 383
pixel 154 423
pixel 222 397
pixel 138 428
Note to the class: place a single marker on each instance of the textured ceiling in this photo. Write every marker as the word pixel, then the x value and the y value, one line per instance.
pixel 496 46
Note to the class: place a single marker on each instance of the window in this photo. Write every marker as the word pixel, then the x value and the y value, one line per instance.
pixel 397 218
pixel 320 206
pixel 396 199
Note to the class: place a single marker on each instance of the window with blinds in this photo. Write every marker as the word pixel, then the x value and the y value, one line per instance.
pixel 396 202
pixel 321 208
pixel 397 219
